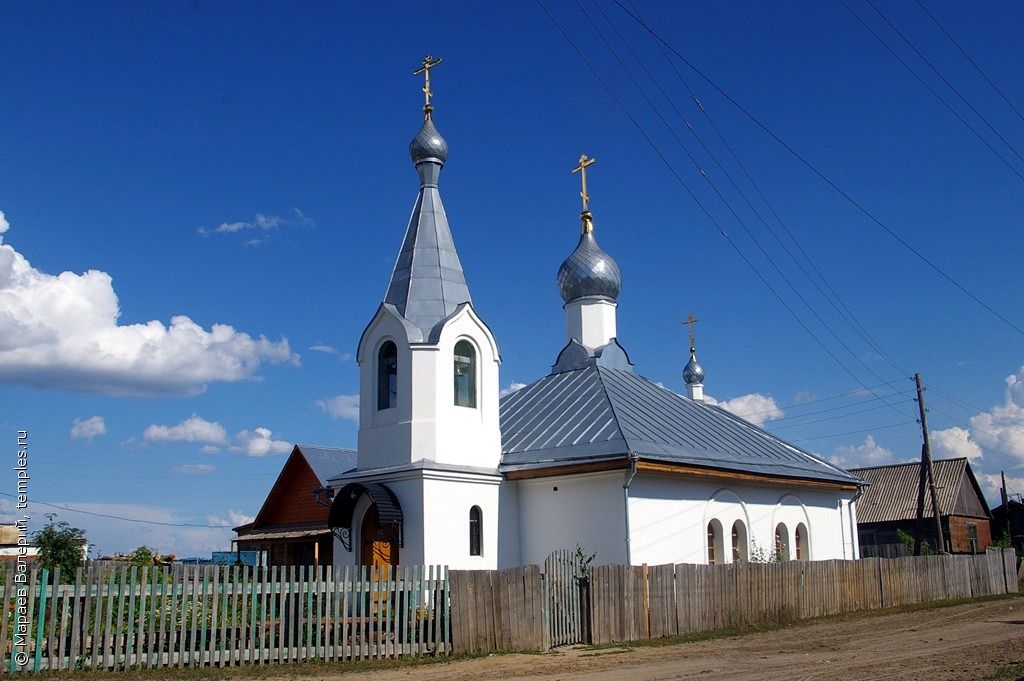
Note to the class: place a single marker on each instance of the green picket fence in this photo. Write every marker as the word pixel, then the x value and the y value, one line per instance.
pixel 213 616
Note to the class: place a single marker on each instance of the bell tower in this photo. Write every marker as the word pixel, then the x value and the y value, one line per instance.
pixel 428 364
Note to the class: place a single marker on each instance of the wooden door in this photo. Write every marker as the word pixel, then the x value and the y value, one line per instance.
pixel 376 550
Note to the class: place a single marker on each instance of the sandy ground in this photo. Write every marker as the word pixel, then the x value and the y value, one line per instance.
pixel 964 642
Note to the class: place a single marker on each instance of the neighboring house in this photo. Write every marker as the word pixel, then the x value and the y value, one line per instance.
pixel 1008 520
pixel 592 454
pixel 291 527
pixel 10 549
pixel 890 505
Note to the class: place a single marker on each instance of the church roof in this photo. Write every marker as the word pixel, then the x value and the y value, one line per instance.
pixel 598 413
pixel 427 283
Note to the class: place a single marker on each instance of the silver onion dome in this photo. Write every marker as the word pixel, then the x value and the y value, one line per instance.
pixel 428 144
pixel 693 372
pixel 589 271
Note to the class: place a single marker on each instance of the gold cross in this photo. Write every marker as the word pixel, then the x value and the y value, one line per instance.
pixel 428 63
pixel 690 321
pixel 582 170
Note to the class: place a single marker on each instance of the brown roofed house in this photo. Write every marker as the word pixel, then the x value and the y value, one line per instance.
pixel 291 527
pixel 890 505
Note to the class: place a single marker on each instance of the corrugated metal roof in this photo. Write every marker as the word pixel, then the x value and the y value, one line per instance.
pixel 328 462
pixel 599 413
pixel 893 491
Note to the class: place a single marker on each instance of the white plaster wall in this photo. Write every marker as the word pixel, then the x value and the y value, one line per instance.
pixel 586 509
pixel 669 516
pixel 590 321
pixel 447 500
pixel 409 491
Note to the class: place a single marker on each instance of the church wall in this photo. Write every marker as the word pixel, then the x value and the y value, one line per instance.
pixel 587 510
pixel 409 492
pixel 669 517
pixel 446 503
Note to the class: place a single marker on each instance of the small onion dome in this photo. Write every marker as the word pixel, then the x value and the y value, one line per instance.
pixel 428 144
pixel 693 372
pixel 589 271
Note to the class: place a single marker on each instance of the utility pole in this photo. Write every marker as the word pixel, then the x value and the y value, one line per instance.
pixel 1005 498
pixel 926 470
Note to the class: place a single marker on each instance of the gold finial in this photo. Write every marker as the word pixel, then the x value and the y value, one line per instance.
pixel 690 321
pixel 428 63
pixel 585 216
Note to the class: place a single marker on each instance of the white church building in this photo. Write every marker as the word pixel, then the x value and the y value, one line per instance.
pixel 592 454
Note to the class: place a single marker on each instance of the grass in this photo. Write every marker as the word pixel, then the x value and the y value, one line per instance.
pixel 783 622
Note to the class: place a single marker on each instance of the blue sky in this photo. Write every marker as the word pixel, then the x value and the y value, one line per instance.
pixel 246 165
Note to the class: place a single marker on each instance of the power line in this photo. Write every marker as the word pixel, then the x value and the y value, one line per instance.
pixel 837 416
pixel 945 80
pixel 824 399
pixel 854 432
pixel 835 187
pixel 971 61
pixel 690 191
pixel 729 177
pixel 119 517
pixel 927 85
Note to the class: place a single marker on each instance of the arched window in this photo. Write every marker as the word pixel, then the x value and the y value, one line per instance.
pixel 475 532
pixel 387 376
pixel 716 552
pixel 781 542
pixel 801 543
pixel 739 542
pixel 465 374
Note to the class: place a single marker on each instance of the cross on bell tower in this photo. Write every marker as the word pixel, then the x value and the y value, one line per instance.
pixel 585 216
pixel 429 62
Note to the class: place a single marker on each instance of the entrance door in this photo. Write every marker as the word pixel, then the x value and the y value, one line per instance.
pixel 375 549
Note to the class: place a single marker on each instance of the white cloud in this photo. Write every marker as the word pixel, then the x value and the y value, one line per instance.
pixel 953 443
pixel 193 429
pixel 341 407
pixel 87 429
pixel 209 449
pixel 232 519
pixel 195 468
pixel 259 442
pixel 991 482
pixel 754 407
pixel 62 331
pixel 4 225
pixel 869 453
pixel 323 347
pixel 512 387
pixel 261 224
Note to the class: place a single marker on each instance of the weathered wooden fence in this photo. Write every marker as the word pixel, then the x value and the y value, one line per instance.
pixel 637 602
pixel 212 616
pixel 497 609
pixel 562 603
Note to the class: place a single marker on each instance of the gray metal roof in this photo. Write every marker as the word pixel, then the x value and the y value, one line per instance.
pixel 328 462
pixel 589 271
pixel 428 283
pixel 893 492
pixel 596 413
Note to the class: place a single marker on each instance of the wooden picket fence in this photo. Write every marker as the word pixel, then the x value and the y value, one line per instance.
pixel 214 616
pixel 630 603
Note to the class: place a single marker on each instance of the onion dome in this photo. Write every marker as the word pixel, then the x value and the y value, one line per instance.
pixel 428 145
pixel 589 271
pixel 693 372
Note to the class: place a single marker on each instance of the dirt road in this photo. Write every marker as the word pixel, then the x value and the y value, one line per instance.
pixel 963 642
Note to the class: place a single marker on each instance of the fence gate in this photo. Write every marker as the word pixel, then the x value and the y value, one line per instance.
pixel 563 613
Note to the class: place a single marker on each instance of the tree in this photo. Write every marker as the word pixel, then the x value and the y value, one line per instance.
pixel 141 557
pixel 60 545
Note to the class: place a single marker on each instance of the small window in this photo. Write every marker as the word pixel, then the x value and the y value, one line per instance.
pixel 387 376
pixel 475 532
pixel 801 542
pixel 739 542
pixel 465 374
pixel 972 537
pixel 716 552
pixel 781 542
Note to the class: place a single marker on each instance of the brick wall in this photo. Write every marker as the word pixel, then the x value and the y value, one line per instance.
pixel 959 539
